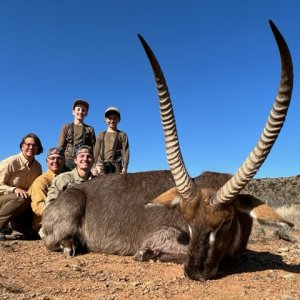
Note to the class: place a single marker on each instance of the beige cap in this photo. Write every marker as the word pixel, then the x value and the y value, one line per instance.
pixel 112 110
pixel 85 147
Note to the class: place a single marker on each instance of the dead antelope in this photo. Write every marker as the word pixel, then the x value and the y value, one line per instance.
pixel 167 215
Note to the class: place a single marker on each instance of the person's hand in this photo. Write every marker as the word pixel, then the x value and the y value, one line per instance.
pixel 94 172
pixel 21 193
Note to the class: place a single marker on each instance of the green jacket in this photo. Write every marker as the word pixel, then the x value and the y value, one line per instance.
pixel 61 182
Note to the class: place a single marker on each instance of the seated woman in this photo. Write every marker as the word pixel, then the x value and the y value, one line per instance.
pixel 17 173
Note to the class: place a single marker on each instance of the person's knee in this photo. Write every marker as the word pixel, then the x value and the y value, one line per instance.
pixel 20 202
pixel 13 203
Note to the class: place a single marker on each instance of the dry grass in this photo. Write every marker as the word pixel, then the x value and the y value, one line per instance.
pixel 283 194
pixel 265 233
pixel 291 213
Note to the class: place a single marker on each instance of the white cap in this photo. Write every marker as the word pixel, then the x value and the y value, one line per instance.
pixel 112 110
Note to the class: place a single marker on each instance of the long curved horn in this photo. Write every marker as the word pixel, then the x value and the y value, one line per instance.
pixel 226 194
pixel 183 182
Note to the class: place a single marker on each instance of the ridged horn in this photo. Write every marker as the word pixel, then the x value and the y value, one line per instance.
pixel 227 193
pixel 184 184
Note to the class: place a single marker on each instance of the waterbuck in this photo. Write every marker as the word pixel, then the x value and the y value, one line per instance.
pixel 167 215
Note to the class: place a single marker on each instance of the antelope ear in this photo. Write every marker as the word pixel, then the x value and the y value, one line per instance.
pixel 261 212
pixel 168 198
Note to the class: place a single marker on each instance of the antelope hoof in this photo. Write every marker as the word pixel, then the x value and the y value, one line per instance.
pixel 68 247
pixel 144 254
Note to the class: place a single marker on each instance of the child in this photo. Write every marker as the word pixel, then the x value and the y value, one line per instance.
pixel 77 133
pixel 112 146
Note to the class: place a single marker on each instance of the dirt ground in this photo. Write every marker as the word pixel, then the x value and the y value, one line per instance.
pixel 270 269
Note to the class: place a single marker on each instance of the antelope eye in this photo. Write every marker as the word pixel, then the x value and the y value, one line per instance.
pixel 227 222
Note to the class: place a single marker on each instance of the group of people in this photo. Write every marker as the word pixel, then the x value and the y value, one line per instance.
pixel 79 156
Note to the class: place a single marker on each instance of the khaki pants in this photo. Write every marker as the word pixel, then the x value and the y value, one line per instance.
pixel 70 165
pixel 11 206
pixel 17 211
pixel 112 168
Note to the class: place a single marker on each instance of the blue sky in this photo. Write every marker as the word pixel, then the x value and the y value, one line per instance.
pixel 219 58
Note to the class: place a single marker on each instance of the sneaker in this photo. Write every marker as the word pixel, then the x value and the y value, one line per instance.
pixel 2 236
pixel 6 231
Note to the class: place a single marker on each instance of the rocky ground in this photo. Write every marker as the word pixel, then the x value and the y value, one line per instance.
pixel 270 269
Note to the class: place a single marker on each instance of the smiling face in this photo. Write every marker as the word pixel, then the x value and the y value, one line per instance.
pixel 55 162
pixel 29 148
pixel 80 112
pixel 84 160
pixel 112 121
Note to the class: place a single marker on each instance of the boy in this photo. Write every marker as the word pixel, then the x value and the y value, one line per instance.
pixel 112 146
pixel 77 133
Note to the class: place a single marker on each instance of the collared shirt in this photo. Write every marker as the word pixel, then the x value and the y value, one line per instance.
pixel 62 181
pixel 38 192
pixel 17 171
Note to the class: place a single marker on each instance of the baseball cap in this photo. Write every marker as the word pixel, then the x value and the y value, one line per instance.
pixel 85 147
pixel 112 110
pixel 56 150
pixel 82 102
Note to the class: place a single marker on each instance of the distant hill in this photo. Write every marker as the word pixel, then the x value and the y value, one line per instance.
pixel 276 191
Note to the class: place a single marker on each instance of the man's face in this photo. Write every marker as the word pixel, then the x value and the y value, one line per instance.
pixel 55 162
pixel 84 160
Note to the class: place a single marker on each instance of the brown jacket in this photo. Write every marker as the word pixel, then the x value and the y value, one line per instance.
pixel 68 138
pixel 104 149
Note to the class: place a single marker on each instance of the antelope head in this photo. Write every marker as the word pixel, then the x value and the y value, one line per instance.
pixel 220 217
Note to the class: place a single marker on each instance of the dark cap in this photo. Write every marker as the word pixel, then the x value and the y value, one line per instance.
pixel 81 102
pixel 86 147
pixel 56 150
pixel 112 110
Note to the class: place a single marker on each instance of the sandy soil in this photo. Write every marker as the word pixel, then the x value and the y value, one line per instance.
pixel 270 269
